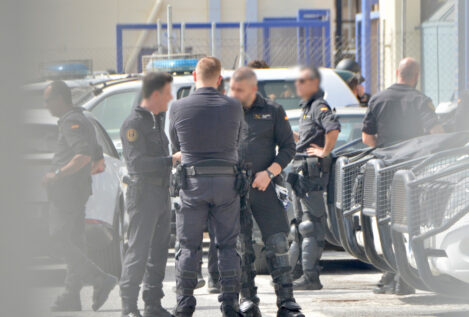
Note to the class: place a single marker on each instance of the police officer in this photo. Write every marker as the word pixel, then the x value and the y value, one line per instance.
pixel 213 285
pixel 396 114
pixel 69 187
pixel 318 132
pixel 206 126
pixel 146 152
pixel 267 129
pixel 351 65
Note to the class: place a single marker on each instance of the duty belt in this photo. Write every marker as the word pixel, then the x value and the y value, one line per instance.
pixel 192 171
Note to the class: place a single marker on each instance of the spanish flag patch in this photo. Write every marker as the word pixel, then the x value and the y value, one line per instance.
pixel 324 108
pixel 75 126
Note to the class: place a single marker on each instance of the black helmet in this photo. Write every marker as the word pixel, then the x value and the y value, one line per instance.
pixel 349 64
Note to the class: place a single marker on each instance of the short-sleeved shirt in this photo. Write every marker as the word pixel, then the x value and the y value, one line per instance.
pixel 399 113
pixel 316 121
pixel 145 146
pixel 76 136
pixel 206 125
pixel 266 127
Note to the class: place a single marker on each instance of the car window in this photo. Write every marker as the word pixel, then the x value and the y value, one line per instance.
pixel 351 129
pixel 183 92
pixel 282 92
pixel 113 110
pixel 41 138
pixel 104 140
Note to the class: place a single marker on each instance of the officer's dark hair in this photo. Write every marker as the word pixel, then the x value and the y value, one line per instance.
pixel 155 81
pixel 258 63
pixel 314 72
pixel 244 73
pixel 58 88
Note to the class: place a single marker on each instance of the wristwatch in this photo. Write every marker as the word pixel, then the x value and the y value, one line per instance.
pixel 271 175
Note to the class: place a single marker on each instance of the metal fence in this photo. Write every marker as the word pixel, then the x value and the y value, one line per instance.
pixel 285 43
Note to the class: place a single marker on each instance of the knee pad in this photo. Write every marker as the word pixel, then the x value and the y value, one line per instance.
pixel 306 228
pixel 277 254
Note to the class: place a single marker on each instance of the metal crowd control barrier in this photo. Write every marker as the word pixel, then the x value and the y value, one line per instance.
pixel 332 232
pixel 349 194
pixel 377 209
pixel 404 215
pixel 437 199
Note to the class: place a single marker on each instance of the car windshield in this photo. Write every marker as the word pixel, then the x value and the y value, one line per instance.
pixel 282 92
pixel 351 129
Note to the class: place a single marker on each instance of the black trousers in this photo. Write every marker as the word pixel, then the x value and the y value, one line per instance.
pixel 212 257
pixel 149 237
pixel 67 231
pixel 268 211
pixel 216 200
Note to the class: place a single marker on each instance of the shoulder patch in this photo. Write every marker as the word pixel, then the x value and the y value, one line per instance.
pixel 286 118
pixel 75 126
pixel 132 135
pixel 324 108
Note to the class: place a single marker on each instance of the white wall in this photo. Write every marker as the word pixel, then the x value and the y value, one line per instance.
pixel 392 49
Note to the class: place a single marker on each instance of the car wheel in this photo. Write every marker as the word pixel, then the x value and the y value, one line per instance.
pixel 261 263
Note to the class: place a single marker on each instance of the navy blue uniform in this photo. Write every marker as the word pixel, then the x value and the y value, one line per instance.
pixel 399 113
pixel 267 138
pixel 310 210
pixel 317 120
pixel 146 152
pixel 206 126
pixel 68 196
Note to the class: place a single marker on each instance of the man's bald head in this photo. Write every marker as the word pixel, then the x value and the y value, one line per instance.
pixel 408 72
pixel 208 71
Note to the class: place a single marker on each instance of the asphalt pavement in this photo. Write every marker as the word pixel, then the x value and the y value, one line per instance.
pixel 347 292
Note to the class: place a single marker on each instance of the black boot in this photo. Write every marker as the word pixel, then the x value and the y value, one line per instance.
pixel 67 302
pixel 249 308
pixel 289 309
pixel 183 312
pixel 101 290
pixel 402 288
pixel 154 309
pixel 230 309
pixel 309 281
pixel 279 266
pixel 129 308
pixel 386 284
pixel 214 284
